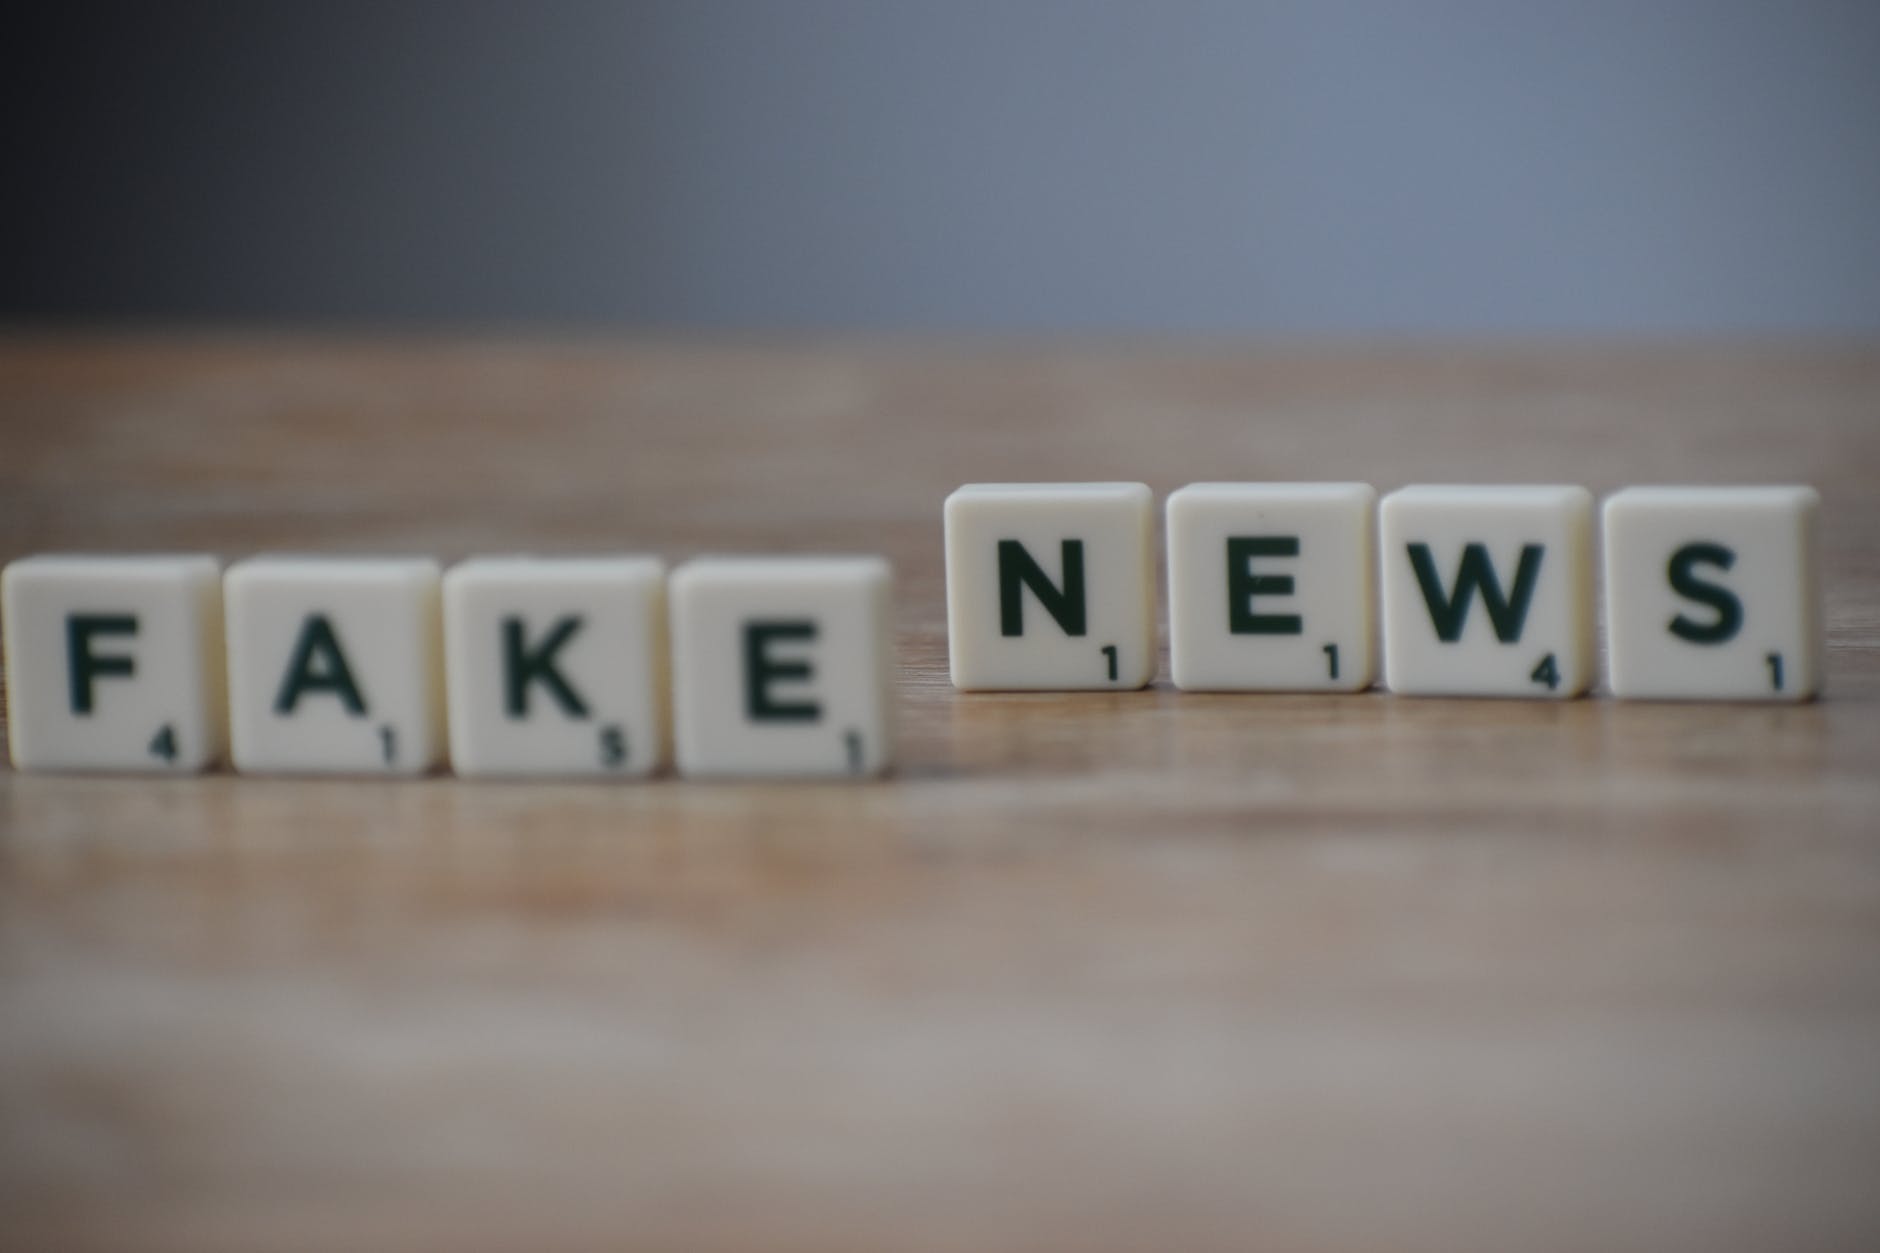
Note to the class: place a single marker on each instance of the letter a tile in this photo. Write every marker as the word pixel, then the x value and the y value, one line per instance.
pixel 336 665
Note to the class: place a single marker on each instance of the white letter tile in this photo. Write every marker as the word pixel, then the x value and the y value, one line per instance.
pixel 1270 587
pixel 1050 586
pixel 556 666
pixel 115 663
pixel 782 666
pixel 1488 591
pixel 336 665
pixel 1712 593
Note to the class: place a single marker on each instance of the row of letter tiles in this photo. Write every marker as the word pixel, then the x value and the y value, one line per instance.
pixel 1712 593
pixel 510 666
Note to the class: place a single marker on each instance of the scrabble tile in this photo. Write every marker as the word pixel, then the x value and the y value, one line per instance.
pixel 782 666
pixel 1488 591
pixel 556 666
pixel 1050 586
pixel 1270 587
pixel 114 663
pixel 1713 593
pixel 335 665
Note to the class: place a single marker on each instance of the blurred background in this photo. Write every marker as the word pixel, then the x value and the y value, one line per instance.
pixel 1362 167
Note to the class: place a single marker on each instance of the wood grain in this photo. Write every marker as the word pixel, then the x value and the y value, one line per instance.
pixel 1094 971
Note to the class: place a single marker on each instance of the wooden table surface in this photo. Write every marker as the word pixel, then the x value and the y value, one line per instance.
pixel 1093 971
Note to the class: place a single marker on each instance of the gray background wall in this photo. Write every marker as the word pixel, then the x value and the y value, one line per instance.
pixel 1363 166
